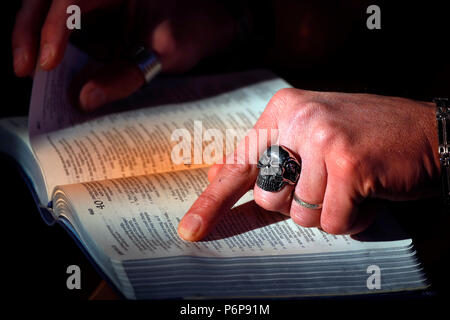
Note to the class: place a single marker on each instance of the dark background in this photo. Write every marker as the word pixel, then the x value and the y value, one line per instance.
pixel 408 57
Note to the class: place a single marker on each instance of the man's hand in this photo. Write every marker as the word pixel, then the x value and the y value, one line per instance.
pixel 180 32
pixel 352 147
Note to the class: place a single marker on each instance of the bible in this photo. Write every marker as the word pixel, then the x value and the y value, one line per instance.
pixel 108 178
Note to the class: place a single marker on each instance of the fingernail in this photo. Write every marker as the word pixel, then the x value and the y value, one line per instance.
pixel 47 54
pixel 94 98
pixel 20 58
pixel 190 226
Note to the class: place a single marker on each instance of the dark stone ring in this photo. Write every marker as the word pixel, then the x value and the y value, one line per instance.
pixel 147 62
pixel 277 167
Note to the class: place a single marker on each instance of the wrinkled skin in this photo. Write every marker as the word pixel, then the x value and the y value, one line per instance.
pixel 352 146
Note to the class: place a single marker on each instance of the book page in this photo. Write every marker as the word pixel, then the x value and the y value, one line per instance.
pixel 15 143
pixel 135 136
pixel 137 218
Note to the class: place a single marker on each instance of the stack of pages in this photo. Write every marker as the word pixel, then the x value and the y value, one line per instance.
pixel 109 179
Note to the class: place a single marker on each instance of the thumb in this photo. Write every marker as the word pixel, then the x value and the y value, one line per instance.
pixel 112 82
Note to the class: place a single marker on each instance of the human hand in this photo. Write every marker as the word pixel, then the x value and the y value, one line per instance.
pixel 180 32
pixel 352 147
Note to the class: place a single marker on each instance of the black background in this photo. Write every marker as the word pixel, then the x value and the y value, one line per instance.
pixel 408 57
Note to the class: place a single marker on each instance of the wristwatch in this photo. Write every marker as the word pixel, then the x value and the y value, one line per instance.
pixel 443 126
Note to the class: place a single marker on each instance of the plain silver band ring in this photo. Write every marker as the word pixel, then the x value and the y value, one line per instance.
pixel 306 204
pixel 147 61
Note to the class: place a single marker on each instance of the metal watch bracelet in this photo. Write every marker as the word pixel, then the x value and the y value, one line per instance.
pixel 443 126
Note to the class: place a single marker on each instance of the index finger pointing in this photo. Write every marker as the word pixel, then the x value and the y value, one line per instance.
pixel 235 179
pixel 229 185
pixel 231 182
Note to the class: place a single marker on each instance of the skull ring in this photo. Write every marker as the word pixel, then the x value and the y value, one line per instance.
pixel 277 166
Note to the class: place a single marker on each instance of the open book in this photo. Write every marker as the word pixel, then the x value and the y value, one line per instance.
pixel 108 178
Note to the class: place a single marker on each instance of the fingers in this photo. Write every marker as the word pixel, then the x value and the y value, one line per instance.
pixel 230 180
pixel 25 36
pixel 274 201
pixel 228 186
pixel 311 189
pixel 112 82
pixel 329 176
pixel 339 215
pixel 45 19
pixel 278 201
pixel 340 206
pixel 55 34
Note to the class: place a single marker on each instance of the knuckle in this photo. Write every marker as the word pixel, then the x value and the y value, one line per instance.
pixel 314 108
pixel 238 170
pixel 346 164
pixel 305 111
pixel 285 94
pixel 208 199
pixel 323 134
pixel 282 97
